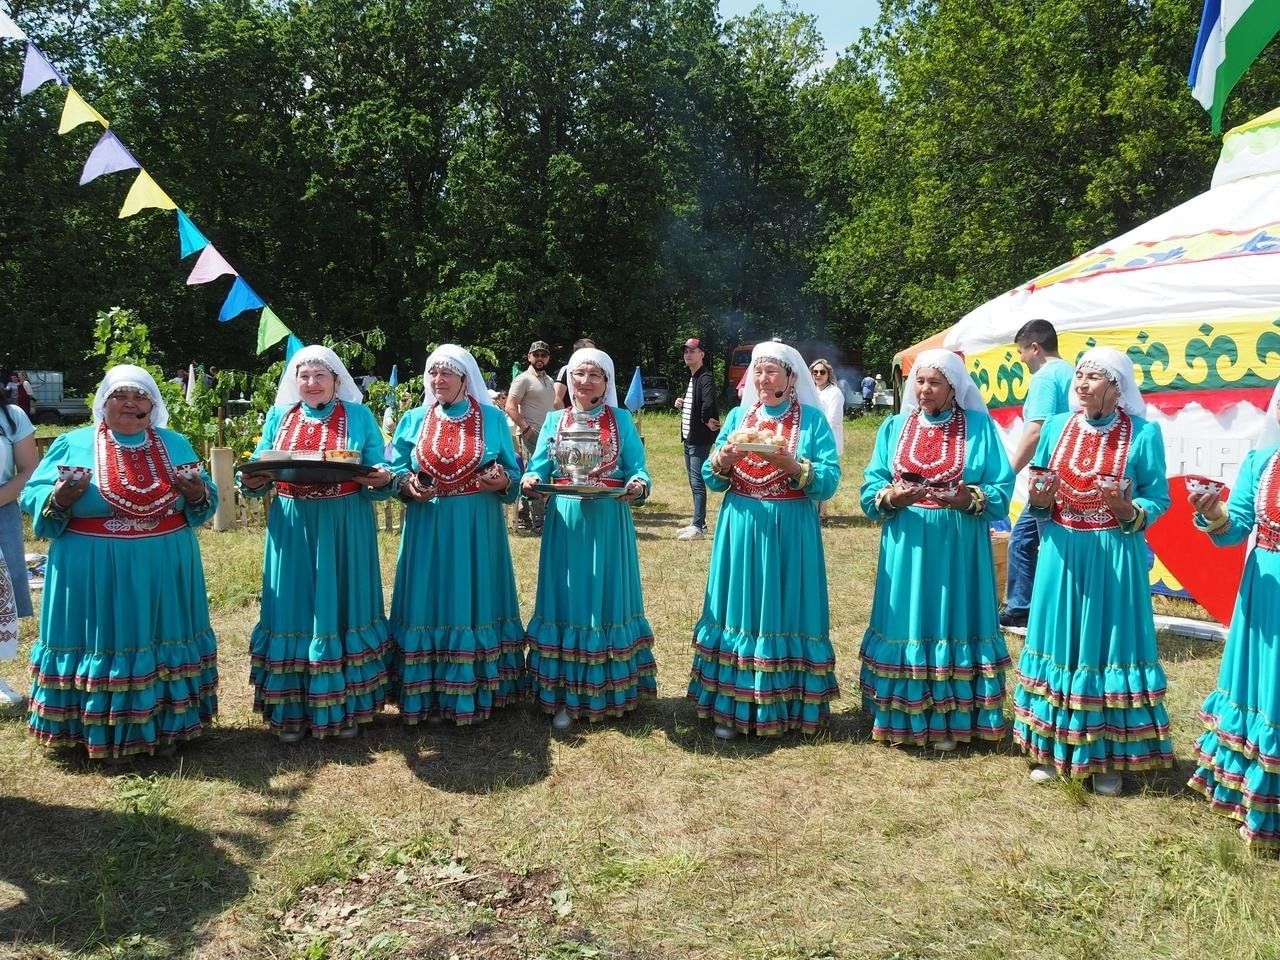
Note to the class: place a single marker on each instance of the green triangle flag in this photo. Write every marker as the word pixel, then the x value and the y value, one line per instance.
pixel 270 329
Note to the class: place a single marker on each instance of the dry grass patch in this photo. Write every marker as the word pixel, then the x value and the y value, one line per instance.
pixel 639 838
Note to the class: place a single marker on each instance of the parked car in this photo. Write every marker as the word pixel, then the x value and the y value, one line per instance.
pixel 657 391
pixel 49 405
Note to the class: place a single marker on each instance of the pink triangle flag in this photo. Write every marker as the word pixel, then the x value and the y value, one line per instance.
pixel 210 266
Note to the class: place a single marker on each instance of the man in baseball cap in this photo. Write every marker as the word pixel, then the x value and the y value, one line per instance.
pixel 699 423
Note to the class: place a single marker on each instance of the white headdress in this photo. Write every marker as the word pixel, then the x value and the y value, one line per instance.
pixel 127 376
pixel 590 356
pixel 775 351
pixel 952 368
pixel 1117 368
pixel 460 361
pixel 315 355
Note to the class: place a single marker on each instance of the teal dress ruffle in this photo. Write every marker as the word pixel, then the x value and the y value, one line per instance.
pixel 763 661
pixel 1238 755
pixel 126 661
pixel 318 652
pixel 457 639
pixel 933 656
pixel 590 644
pixel 1090 694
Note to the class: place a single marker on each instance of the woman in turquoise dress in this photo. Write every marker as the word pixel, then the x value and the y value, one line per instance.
pixel 458 643
pixel 318 652
pixel 933 656
pixel 591 646
pixel 1238 755
pixel 763 662
pixel 126 661
pixel 1090 694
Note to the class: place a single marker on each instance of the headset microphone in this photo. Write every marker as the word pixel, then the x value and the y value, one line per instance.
pixel 141 416
pixel 596 400
pixel 779 394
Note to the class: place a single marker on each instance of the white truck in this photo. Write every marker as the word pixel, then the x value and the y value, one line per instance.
pixel 49 404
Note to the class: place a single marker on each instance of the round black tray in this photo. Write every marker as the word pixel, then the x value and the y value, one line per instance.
pixel 305 471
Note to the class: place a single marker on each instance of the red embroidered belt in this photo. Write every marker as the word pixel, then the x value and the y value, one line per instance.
pixel 598 482
pixel 779 495
pixel 317 491
pixel 1268 538
pixel 128 527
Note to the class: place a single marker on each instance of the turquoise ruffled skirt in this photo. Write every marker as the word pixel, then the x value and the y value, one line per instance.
pixel 763 661
pixel 126 661
pixel 1090 694
pixel 933 656
pixel 1239 752
pixel 591 646
pixel 318 652
pixel 457 639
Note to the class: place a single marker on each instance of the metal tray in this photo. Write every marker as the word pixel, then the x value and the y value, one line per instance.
pixel 582 491
pixel 305 471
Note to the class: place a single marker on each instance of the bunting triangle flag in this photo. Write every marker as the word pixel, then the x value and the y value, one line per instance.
pixel 76 111
pixel 192 240
pixel 10 30
pixel 109 155
pixel 210 266
pixel 145 193
pixel 239 299
pixel 635 393
pixel 292 346
pixel 270 329
pixel 37 71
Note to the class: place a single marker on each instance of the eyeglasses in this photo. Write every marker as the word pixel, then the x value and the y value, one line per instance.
pixel 137 396
pixel 588 376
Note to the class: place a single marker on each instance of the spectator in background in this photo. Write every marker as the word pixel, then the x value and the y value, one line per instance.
pixel 18 459
pixel 831 401
pixel 868 391
pixel 699 423
pixel 23 393
pixel 562 378
pixel 528 402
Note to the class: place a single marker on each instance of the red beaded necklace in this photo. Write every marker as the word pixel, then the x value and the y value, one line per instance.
pixel 136 481
pixel 1083 453
pixel 1266 507
pixel 301 432
pixel 753 475
pixel 449 450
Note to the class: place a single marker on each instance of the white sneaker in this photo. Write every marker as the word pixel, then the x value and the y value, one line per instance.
pixel 725 733
pixel 9 698
pixel 1107 784
pixel 691 533
pixel 562 720
pixel 1043 774
pixel 945 745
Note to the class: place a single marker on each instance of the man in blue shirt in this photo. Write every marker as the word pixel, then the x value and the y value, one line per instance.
pixel 1051 376
pixel 868 391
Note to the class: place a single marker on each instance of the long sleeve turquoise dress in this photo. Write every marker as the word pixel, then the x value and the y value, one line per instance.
pixel 591 646
pixel 1238 755
pixel 1090 693
pixel 933 656
pixel 126 661
pixel 457 639
pixel 763 661
pixel 318 652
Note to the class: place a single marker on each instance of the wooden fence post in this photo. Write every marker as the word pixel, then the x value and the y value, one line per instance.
pixel 221 465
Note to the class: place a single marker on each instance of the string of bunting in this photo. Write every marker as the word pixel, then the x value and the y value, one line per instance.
pixel 110 155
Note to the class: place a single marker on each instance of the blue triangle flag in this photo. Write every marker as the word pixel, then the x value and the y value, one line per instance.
pixel 394 379
pixel 109 155
pixel 635 393
pixel 193 241
pixel 291 347
pixel 240 298
pixel 37 71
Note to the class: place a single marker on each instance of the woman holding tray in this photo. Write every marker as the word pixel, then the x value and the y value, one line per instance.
pixel 126 661
pixel 1238 755
pixel 459 644
pixel 591 652
pixel 934 658
pixel 763 662
pixel 318 650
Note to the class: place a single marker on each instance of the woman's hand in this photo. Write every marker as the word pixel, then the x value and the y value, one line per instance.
pixel 905 494
pixel 727 456
pixel 380 477
pixel 494 480
pixel 784 461
pixel 1042 494
pixel 193 489
pixel 962 499
pixel 66 493
pixel 416 490
pixel 635 490
pixel 527 485
pixel 1118 502
pixel 1208 505
pixel 254 481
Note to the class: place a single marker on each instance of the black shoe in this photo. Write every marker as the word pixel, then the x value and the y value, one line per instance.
pixel 1012 618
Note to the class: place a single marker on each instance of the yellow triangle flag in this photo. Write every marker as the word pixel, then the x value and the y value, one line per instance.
pixel 144 193
pixel 76 111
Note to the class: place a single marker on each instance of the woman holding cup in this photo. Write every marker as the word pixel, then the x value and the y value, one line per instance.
pixel 933 661
pixel 126 661
pixel 1090 695
pixel 1238 755
pixel 318 652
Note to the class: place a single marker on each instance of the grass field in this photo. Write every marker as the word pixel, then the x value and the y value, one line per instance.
pixel 643 838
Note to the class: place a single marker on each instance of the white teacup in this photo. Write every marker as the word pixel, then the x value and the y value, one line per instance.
pixel 1113 483
pixel 1040 477
pixel 1197 485
pixel 188 471
pixel 72 474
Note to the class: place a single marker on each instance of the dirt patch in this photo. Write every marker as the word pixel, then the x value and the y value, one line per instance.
pixel 453 911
